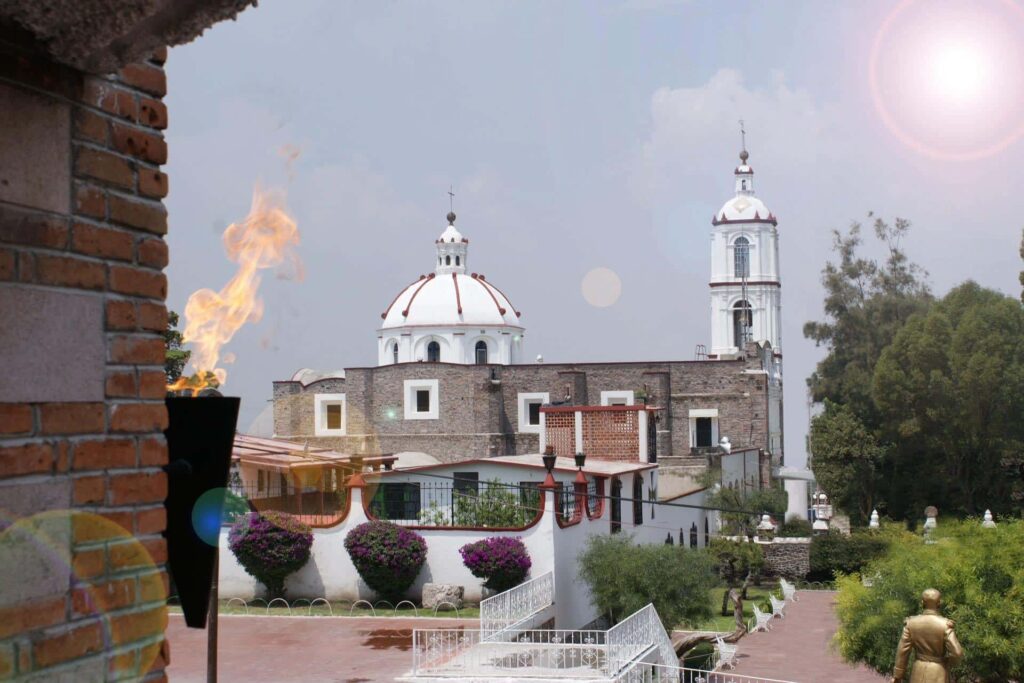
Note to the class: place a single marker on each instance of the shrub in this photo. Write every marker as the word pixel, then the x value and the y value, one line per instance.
pixel 270 546
pixel 980 573
pixel 503 562
pixel 387 556
pixel 624 577
pixel 835 553
pixel 795 527
pixel 736 559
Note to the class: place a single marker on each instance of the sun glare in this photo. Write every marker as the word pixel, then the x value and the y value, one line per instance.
pixel 945 79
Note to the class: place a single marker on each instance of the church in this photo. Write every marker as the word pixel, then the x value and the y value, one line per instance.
pixel 452 380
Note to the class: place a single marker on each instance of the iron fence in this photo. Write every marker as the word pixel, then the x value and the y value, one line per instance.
pixel 466 503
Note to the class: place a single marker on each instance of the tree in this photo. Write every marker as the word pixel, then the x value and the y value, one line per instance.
pixel 866 303
pixel 950 390
pixel 624 577
pixel 846 459
pixel 740 511
pixel 175 357
pixel 980 573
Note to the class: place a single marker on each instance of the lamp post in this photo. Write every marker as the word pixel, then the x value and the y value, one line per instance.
pixel 549 464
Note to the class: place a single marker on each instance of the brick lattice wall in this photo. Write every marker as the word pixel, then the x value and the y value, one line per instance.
pixel 611 435
pixel 561 433
pixel 83 587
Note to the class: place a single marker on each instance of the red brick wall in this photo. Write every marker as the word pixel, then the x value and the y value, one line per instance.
pixel 560 431
pixel 90 602
pixel 611 435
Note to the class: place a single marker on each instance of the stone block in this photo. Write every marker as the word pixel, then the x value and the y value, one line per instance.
pixel 35 150
pixel 435 594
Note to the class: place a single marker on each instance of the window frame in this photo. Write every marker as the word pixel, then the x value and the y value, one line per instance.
pixel 698 413
pixel 523 399
pixel 320 403
pixel 486 351
pixel 410 387
pixel 607 397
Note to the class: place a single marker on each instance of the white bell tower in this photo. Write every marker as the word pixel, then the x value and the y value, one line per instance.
pixel 746 290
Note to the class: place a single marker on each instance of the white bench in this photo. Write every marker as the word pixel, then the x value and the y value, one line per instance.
pixel 788 590
pixel 777 606
pixel 762 620
pixel 726 653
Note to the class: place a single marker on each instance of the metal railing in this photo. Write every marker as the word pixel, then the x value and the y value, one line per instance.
pixel 315 506
pixel 635 634
pixel 500 613
pixel 645 672
pixel 462 504
pixel 530 654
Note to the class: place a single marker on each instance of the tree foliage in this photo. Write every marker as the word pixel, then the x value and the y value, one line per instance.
pixel 846 459
pixel 624 577
pixel 741 510
pixel 980 573
pixel 736 560
pixel 175 357
pixel 835 553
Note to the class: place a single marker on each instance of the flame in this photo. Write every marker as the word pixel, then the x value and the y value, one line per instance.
pixel 267 238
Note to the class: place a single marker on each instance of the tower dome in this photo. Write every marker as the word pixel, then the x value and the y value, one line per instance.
pixel 450 316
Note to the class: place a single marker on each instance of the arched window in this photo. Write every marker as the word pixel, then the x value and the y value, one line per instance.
pixel 458 261
pixel 743 184
pixel 481 352
pixel 616 511
pixel 394 352
pixel 439 260
pixel 638 500
pixel 447 260
pixel 742 321
pixel 693 535
pixel 741 257
pixel 707 532
pixel 433 352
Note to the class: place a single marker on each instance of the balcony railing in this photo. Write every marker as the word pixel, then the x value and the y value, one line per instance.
pixel 499 614
pixel 470 504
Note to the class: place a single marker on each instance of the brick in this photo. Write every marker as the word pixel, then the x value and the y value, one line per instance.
pixel 104 166
pixel 152 183
pixel 134 554
pixel 90 126
pixel 63 461
pixel 65 271
pixel 123 665
pixel 152 384
pixel 153 452
pixel 31 229
pixel 89 490
pixel 28 616
pixel 140 144
pixel 130 280
pixel 71 418
pixel 26 267
pixel 147 78
pixel 87 564
pixel 152 113
pixel 157 549
pixel 72 644
pixel 8 265
pixel 90 201
pixel 103 94
pixel 153 317
pixel 159 56
pixel 103 597
pixel 122 519
pixel 31 458
pixel 137 350
pixel 15 418
pixel 149 216
pixel 138 625
pixel 121 385
pixel 138 487
pixel 102 454
pixel 153 253
pixel 138 417
pixel 152 521
pixel 121 315
pixel 94 240
pixel 154 587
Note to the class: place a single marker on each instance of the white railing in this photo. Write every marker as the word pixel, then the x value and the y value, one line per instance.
pixel 638 632
pixel 529 654
pixel 642 672
pixel 503 611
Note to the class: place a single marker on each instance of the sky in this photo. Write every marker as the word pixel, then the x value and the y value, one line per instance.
pixel 585 134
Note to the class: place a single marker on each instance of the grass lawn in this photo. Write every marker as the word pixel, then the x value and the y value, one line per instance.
pixel 338 609
pixel 755 595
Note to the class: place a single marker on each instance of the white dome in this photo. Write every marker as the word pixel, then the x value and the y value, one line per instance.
pixel 450 299
pixel 744 208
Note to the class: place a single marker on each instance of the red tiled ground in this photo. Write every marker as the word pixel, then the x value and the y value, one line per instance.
pixel 308 649
pixel 798 648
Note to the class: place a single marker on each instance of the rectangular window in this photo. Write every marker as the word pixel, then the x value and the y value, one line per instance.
pixel 422 400
pixel 703 433
pixel 396 501
pixel 329 415
pixel 534 413
pixel 467 483
pixel 529 416
pixel 259 481
pixel 334 416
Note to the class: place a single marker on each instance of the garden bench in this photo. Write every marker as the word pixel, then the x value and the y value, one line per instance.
pixel 726 653
pixel 788 590
pixel 762 620
pixel 777 606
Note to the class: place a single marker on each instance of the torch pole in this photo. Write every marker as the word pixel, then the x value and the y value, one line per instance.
pixel 211 626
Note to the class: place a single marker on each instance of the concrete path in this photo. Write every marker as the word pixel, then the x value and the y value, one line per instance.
pixel 799 648
pixel 309 649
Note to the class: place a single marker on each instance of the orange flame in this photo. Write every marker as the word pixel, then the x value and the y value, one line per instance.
pixel 267 238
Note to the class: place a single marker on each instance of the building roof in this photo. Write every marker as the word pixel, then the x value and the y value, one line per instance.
pixel 283 456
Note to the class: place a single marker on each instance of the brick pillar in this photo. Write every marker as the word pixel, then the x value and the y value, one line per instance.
pixel 82 585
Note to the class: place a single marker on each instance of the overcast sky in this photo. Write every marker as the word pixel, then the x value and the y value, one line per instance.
pixel 576 135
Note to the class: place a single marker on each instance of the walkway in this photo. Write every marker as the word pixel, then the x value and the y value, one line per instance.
pixel 799 648
pixel 309 649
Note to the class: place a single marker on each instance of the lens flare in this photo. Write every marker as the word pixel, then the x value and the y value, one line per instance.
pixel 601 287
pixel 945 77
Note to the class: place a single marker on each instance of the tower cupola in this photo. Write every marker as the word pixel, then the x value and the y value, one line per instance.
pixel 451 249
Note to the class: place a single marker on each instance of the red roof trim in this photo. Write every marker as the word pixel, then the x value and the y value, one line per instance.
pixel 458 299
pixel 480 280
pixel 518 314
pixel 405 313
pixel 384 315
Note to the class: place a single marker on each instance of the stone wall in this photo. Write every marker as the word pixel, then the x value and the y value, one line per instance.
pixel 82 580
pixel 787 557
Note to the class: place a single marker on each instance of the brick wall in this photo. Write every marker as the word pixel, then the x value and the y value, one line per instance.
pixel 82 580
pixel 787 557
pixel 611 435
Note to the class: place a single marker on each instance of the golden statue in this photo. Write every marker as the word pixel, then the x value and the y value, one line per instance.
pixel 931 638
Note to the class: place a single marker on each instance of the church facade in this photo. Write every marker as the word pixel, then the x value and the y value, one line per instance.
pixel 452 380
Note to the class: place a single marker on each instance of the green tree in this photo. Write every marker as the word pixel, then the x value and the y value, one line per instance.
pixel 950 389
pixel 846 460
pixel 980 573
pixel 624 577
pixel 175 357
pixel 740 511
pixel 866 303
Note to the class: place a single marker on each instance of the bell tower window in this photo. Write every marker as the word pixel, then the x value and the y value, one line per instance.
pixel 433 352
pixel 394 352
pixel 481 352
pixel 742 322
pixel 741 257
